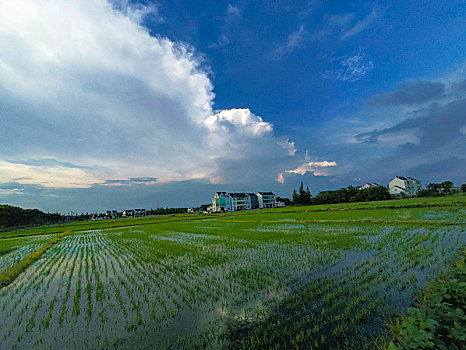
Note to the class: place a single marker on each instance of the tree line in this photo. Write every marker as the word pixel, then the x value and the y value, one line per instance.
pixel 16 217
pixel 11 216
pixel 350 194
pixel 440 189
pixel 343 195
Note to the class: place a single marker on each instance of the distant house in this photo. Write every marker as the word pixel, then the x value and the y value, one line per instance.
pixel 111 214
pixel 240 201
pixel 267 200
pixel 404 185
pixel 254 200
pixel 369 185
pixel 128 212
pixel 222 202
pixel 226 201
pixel 139 212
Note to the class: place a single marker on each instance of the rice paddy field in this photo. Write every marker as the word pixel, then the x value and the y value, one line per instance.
pixel 320 277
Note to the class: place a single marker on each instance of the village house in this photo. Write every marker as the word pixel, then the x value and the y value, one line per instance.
pixel 222 202
pixel 226 201
pixel 111 214
pixel 240 201
pixel 254 200
pixel 369 185
pixel 139 212
pixel 404 185
pixel 128 212
pixel 267 200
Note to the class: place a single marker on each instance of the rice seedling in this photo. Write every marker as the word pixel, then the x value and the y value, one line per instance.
pixel 311 278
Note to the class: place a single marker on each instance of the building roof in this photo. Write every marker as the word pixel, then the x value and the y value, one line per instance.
pixel 412 178
pixel 251 194
pixel 401 177
pixel 239 194
pixel 266 193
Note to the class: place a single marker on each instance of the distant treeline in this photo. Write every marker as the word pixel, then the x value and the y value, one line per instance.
pixel 344 195
pixel 17 217
pixel 440 189
pixel 161 211
pixel 352 194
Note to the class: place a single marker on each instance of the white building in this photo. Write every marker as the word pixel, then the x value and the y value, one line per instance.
pixel 111 214
pixel 226 202
pixel 240 201
pixel 369 185
pixel 267 200
pixel 128 212
pixel 139 212
pixel 406 185
pixel 222 202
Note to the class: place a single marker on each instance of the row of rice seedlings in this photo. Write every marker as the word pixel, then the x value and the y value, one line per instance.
pixel 36 294
pixel 363 292
pixel 154 287
pixel 32 282
pixel 15 256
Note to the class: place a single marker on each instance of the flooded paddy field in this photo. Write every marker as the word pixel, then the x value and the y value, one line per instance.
pixel 248 281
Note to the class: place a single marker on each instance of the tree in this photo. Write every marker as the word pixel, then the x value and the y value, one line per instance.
pixel 295 197
pixel 463 188
pixel 446 186
pixel 436 189
pixel 302 196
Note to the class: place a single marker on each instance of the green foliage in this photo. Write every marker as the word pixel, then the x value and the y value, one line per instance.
pixel 302 197
pixel 352 194
pixel 164 211
pixel 440 321
pixel 14 216
pixel 437 189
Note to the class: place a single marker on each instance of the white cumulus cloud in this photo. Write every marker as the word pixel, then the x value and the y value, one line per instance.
pixel 317 168
pixel 83 82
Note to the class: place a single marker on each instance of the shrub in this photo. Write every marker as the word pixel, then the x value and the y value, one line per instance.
pixel 440 321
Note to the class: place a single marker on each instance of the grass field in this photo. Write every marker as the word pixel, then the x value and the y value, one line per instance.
pixel 320 277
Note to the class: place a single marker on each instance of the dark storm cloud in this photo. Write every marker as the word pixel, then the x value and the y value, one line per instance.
pixel 437 153
pixel 409 93
pixel 452 168
pixel 434 126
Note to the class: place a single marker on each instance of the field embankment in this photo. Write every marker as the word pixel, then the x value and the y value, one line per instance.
pixel 9 275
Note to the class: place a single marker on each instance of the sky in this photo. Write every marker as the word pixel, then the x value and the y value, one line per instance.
pixel 121 104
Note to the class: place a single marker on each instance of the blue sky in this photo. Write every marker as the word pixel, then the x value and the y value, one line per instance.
pixel 109 105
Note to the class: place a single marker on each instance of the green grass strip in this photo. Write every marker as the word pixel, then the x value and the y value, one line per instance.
pixel 8 276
